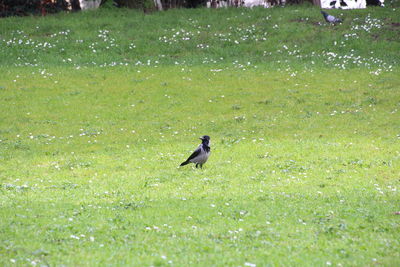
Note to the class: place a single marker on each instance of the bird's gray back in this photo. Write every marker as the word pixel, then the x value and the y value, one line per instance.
pixel 202 156
pixel 331 18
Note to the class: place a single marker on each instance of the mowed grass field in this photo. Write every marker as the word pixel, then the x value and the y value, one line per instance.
pixel 304 129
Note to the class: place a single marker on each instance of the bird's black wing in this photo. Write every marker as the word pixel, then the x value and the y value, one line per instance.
pixel 195 154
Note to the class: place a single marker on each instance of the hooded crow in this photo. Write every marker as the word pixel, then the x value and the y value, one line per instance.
pixel 201 154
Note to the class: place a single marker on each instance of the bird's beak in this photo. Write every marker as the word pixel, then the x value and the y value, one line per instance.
pixel 201 138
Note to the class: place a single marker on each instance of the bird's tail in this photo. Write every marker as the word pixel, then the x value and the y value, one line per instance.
pixel 184 163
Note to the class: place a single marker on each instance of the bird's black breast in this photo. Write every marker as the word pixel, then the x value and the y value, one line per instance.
pixel 206 148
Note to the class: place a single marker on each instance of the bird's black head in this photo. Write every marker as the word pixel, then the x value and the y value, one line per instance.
pixel 205 139
pixel 324 13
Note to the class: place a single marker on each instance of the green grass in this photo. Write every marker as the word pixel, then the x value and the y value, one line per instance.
pixel 305 157
pixel 295 36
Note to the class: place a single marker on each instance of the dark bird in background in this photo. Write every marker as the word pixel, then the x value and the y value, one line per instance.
pixel 201 154
pixel 330 18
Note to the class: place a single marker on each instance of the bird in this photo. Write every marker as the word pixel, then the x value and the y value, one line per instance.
pixel 201 154
pixel 330 18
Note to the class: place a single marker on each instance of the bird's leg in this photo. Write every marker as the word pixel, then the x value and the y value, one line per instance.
pixel 197 165
pixel 201 166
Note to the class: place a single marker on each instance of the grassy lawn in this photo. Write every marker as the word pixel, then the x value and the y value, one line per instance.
pixel 304 126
